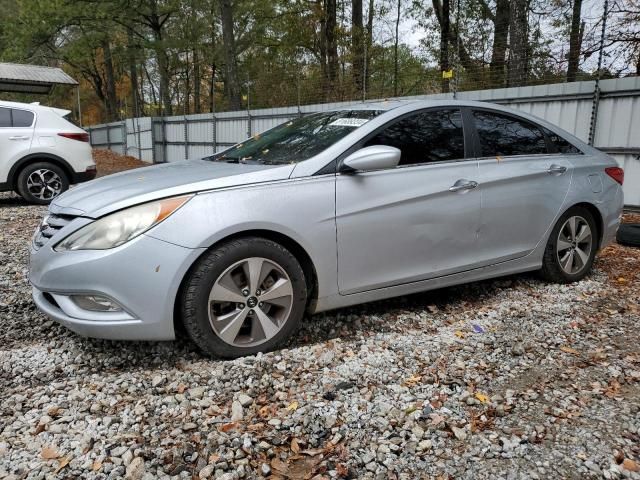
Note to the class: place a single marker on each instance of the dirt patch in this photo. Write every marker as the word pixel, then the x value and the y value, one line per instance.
pixel 109 162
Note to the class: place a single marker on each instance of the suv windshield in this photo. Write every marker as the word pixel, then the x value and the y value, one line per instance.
pixel 296 140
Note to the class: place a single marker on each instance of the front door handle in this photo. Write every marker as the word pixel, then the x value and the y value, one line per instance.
pixel 556 169
pixel 463 185
pixel 19 137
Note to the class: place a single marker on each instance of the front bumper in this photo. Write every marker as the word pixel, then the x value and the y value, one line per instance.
pixel 143 276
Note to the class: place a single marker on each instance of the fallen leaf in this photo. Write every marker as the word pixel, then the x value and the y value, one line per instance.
pixel 214 457
pixel 40 428
pixel 342 470
pixel 97 465
pixel 63 463
pixel 181 388
pixel 295 448
pixel 630 465
pixel 412 381
pixel 312 452
pixel 569 350
pixel 228 426
pixel 279 466
pixel 459 334
pixel 264 411
pixel 255 426
pixel 293 406
pixel 482 397
pixel 49 452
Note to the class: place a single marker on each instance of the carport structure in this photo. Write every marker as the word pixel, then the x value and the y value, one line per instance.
pixel 35 79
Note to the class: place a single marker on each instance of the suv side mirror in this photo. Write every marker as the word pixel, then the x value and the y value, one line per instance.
pixel 375 157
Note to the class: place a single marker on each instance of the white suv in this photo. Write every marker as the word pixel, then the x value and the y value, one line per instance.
pixel 41 153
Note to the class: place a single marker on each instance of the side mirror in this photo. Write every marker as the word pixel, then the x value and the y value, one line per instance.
pixel 375 157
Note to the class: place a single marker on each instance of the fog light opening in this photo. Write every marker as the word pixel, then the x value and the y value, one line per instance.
pixel 96 303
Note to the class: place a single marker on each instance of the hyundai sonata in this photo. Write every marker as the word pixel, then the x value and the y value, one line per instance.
pixel 324 211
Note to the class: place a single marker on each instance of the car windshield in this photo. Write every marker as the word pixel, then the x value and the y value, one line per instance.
pixel 296 140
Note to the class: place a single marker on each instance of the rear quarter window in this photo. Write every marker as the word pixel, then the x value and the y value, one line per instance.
pixel 559 144
pixel 22 118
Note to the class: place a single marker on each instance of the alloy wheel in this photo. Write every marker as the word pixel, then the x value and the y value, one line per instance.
pixel 574 245
pixel 250 302
pixel 44 184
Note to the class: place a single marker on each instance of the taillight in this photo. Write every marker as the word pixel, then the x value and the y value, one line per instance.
pixel 81 137
pixel 616 173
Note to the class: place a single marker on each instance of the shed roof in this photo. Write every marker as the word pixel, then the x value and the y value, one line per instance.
pixel 16 77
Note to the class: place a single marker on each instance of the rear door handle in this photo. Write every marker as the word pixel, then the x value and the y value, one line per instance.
pixel 556 169
pixel 463 185
pixel 19 137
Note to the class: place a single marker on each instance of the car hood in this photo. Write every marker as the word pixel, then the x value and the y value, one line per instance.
pixel 121 190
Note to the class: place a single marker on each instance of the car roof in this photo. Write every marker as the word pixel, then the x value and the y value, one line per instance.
pixel 27 106
pixel 386 105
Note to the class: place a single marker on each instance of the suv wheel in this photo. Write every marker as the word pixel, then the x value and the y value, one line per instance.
pixel 571 248
pixel 41 182
pixel 244 297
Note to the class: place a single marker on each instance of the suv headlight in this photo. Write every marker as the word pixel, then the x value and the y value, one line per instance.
pixel 120 227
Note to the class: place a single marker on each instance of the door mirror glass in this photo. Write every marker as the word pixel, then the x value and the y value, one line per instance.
pixel 375 157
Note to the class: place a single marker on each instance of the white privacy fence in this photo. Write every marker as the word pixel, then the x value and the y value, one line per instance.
pixel 615 128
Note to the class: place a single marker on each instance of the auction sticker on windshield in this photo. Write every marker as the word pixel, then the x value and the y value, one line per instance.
pixel 349 122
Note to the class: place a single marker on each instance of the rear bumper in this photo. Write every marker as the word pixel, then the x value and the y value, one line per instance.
pixel 79 177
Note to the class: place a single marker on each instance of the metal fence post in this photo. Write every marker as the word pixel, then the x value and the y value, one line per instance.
pixel 214 128
pixel 125 138
pixel 248 109
pixel 153 139
pixel 164 140
pixel 596 90
pixel 186 137
pixel 108 137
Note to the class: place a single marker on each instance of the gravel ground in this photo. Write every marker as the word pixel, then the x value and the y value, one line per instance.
pixel 507 378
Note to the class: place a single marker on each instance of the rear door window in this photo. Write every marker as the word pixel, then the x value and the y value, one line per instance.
pixel 22 118
pixel 424 137
pixel 503 135
pixel 5 117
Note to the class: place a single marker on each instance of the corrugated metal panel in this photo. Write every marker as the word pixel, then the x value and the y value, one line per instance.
pixel 15 72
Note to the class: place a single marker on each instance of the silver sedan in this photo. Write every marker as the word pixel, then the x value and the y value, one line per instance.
pixel 325 211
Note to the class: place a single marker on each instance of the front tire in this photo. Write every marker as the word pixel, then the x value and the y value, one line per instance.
pixel 571 247
pixel 41 182
pixel 243 297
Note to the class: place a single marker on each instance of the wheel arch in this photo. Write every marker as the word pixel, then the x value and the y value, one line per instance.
pixel 597 216
pixel 298 251
pixel 17 167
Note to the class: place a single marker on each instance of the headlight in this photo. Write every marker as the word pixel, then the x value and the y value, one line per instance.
pixel 122 226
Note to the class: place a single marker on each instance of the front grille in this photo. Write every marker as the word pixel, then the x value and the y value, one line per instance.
pixel 50 225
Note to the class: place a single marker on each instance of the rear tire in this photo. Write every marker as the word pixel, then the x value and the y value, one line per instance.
pixel 243 297
pixel 571 247
pixel 629 235
pixel 41 182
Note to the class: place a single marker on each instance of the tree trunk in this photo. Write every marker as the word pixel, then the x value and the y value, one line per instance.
pixel 575 42
pixel 231 62
pixel 500 39
pixel 444 44
pixel 395 52
pixel 111 100
pixel 518 48
pixel 357 44
pixel 332 45
pixel 197 108
pixel 133 76
pixel 369 45
pixel 212 89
